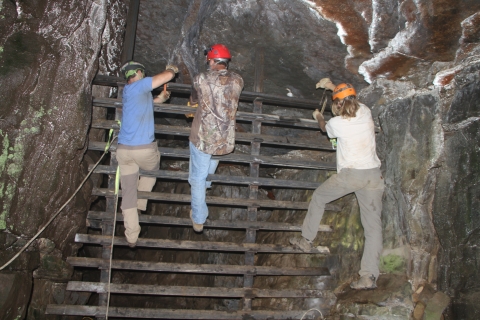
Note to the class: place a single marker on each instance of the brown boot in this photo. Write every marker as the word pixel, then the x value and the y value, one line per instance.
pixel 196 226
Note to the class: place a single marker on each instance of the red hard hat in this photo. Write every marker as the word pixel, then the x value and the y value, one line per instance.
pixel 218 51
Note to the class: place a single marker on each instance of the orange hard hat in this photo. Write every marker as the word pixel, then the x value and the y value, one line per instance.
pixel 343 90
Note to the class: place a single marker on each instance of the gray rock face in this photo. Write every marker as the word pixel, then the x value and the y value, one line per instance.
pixel 49 55
pixel 456 214
pixel 14 294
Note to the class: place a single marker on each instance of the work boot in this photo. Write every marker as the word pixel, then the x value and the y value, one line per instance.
pixel 301 243
pixel 196 226
pixel 364 283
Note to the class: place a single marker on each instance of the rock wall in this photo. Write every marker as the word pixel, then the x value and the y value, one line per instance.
pixel 430 151
pixel 49 54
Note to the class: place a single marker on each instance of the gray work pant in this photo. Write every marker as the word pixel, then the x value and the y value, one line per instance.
pixel 368 186
pixel 131 159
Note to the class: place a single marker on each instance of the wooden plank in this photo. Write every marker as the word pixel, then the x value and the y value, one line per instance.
pixel 244 96
pixel 235 180
pixel 278 140
pixel 196 245
pixel 236 158
pixel 196 268
pixel 150 313
pixel 289 121
pixel 94 216
pixel 231 202
pixel 186 291
pixel 109 81
pixel 266 98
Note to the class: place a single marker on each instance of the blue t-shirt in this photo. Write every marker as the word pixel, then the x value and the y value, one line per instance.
pixel 137 119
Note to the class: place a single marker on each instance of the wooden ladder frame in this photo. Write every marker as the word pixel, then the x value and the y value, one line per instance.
pixel 104 220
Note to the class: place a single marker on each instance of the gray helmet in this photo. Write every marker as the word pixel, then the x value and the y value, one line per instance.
pixel 130 68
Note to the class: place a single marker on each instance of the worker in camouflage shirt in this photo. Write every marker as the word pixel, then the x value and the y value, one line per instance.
pixel 217 92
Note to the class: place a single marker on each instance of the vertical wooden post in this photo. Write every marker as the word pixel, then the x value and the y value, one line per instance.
pixel 131 30
pixel 251 234
pixel 108 225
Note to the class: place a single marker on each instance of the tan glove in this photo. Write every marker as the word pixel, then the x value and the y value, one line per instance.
pixel 316 113
pixel 191 115
pixel 172 67
pixel 162 97
pixel 325 83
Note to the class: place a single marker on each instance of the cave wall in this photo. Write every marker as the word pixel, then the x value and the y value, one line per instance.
pixel 49 55
pixel 456 211
pixel 429 148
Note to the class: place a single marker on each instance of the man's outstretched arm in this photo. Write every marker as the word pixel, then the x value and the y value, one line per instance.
pixel 165 76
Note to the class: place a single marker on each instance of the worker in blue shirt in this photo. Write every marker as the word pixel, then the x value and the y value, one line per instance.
pixel 137 147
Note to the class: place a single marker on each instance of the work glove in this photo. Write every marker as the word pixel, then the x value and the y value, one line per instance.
pixel 191 115
pixel 172 67
pixel 162 97
pixel 325 83
pixel 316 113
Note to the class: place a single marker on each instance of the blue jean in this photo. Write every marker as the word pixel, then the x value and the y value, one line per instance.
pixel 200 166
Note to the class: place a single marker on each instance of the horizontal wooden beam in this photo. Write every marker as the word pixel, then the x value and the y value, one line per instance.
pixel 95 218
pixel 244 96
pixel 196 268
pixel 235 180
pixel 150 313
pixel 235 158
pixel 288 121
pixel 231 202
pixel 197 245
pixel 279 140
pixel 186 291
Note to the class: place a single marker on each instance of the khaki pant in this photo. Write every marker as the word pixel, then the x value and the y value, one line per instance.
pixel 368 186
pixel 131 159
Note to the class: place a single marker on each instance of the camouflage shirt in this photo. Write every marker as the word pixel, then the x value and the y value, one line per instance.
pixel 213 128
